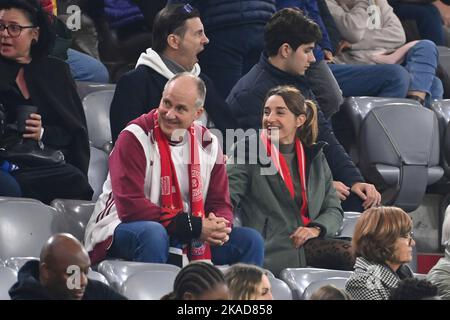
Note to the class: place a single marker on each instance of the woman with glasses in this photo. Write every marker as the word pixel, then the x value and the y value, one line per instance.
pixel 383 244
pixel 30 77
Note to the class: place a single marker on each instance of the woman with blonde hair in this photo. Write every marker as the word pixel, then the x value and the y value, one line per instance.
pixel 383 243
pixel 248 282
pixel 282 185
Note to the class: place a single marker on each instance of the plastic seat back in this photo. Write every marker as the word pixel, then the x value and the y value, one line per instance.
pixel 118 271
pixel 280 290
pixel 298 279
pixel 73 216
pixel 96 107
pixel 98 170
pixel 7 278
pixel 398 147
pixel 149 285
pixel 24 227
pixel 338 282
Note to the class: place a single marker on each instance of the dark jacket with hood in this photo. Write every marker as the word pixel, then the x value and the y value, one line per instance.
pixel 28 287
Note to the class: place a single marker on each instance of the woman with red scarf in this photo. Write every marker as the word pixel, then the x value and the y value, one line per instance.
pixel 284 189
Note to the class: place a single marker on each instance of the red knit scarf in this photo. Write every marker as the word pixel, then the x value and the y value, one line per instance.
pixel 171 199
pixel 283 169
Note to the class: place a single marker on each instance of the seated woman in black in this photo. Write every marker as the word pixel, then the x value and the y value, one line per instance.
pixel 29 77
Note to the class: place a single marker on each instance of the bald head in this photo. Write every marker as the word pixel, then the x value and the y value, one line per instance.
pixel 64 260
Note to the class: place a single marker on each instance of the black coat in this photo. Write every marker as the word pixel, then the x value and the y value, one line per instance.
pixel 28 287
pixel 140 90
pixel 246 103
pixel 53 91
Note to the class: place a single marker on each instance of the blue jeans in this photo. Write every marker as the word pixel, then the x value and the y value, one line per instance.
pixel 382 80
pixel 86 68
pixel 427 18
pixel 8 185
pixel 148 241
pixel 421 62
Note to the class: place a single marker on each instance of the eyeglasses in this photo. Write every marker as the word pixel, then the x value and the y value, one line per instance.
pixel 14 30
pixel 409 237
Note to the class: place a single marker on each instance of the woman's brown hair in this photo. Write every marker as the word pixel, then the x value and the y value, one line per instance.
pixel 376 232
pixel 297 104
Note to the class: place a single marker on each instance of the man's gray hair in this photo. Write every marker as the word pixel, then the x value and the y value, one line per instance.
pixel 201 87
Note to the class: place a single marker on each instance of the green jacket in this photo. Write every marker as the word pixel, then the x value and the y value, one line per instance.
pixel 266 205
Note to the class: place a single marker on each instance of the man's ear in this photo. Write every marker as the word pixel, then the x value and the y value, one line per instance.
pixel 284 50
pixel 173 41
pixel 198 113
pixel 43 272
pixel 36 33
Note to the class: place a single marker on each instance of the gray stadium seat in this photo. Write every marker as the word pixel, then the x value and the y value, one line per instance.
pixel 148 285
pixel 73 216
pixel 7 278
pixel 442 110
pixel 24 227
pixel 84 87
pixel 280 290
pixel 15 263
pixel 298 279
pixel 398 147
pixel 118 271
pixel 96 107
pixel 98 171
pixel 338 282
pixel 348 225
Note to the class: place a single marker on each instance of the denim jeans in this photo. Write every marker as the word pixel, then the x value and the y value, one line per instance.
pixel 380 80
pixel 86 68
pixel 148 241
pixel 421 62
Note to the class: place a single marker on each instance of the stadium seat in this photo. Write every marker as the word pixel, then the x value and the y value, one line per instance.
pixel 73 216
pixel 442 110
pixel 298 279
pixel 98 171
pixel 280 290
pixel 397 147
pixel 16 263
pixel 118 271
pixel 96 107
pixel 348 225
pixel 84 87
pixel 24 227
pixel 7 278
pixel 338 282
pixel 148 285
pixel 94 275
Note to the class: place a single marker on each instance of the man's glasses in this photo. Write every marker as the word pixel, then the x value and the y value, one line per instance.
pixel 14 30
pixel 409 237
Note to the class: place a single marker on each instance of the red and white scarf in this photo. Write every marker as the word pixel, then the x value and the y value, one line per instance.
pixel 283 169
pixel 171 199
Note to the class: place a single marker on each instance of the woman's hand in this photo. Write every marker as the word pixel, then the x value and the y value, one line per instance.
pixel 303 234
pixel 33 127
